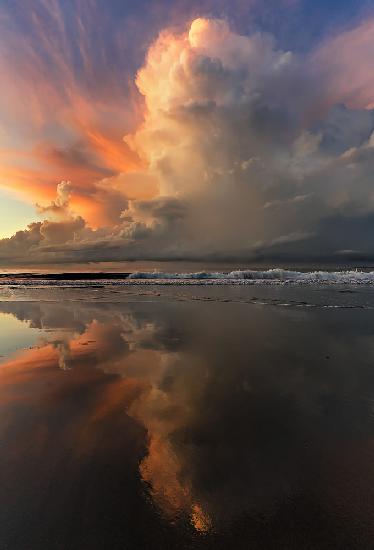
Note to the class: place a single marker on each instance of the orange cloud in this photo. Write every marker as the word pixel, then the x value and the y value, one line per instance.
pixel 64 123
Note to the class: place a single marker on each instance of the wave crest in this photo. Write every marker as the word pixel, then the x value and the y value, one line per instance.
pixel 274 275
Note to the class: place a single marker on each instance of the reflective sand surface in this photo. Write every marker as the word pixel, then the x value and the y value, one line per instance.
pixel 164 423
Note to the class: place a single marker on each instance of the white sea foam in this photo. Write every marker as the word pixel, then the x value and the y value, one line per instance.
pixel 238 277
pixel 253 276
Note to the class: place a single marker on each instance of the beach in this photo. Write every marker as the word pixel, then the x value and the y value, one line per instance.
pixel 186 416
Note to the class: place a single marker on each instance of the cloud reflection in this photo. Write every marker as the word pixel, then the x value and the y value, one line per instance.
pixel 236 422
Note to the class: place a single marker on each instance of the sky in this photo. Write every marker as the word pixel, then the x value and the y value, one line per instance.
pixel 210 130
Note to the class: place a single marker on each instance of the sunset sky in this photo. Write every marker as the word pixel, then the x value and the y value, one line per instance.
pixel 201 130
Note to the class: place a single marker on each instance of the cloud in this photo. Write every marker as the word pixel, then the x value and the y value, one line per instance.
pixel 60 226
pixel 233 128
pixel 243 151
pixel 60 206
pixel 66 101
pixel 343 62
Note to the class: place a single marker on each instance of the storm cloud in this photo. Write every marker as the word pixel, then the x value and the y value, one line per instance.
pixel 244 151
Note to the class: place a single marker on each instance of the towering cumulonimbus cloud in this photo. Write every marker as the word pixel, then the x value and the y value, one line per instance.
pixel 256 151
pixel 244 151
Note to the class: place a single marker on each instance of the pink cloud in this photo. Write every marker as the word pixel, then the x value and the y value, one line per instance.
pixel 345 63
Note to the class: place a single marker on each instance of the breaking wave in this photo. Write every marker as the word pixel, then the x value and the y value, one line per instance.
pixel 270 275
pixel 237 277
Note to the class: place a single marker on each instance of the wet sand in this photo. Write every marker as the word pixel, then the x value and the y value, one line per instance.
pixel 168 417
